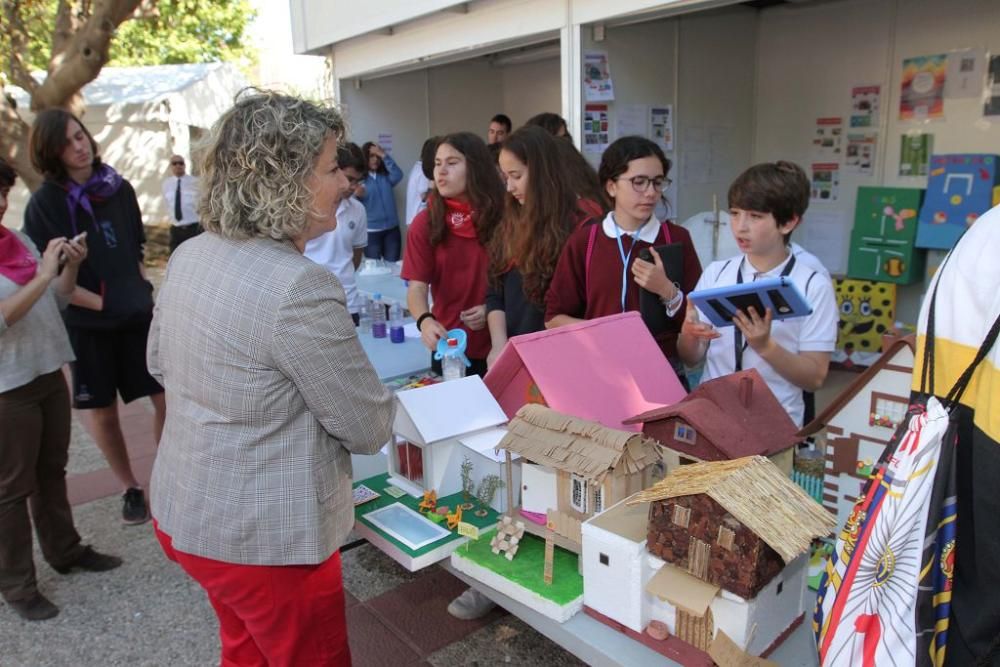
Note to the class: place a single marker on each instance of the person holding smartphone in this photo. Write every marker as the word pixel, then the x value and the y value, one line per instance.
pixel 35 416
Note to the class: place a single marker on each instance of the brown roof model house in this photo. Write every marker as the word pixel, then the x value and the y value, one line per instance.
pixel 718 546
pixel 859 423
pixel 726 418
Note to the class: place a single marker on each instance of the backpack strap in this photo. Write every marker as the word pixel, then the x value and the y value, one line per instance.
pixel 590 251
pixel 666 232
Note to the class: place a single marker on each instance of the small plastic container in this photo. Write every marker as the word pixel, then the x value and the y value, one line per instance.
pixel 378 317
pixel 365 316
pixel 452 362
pixel 396 334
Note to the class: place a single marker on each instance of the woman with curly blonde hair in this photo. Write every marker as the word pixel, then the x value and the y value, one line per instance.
pixel 269 390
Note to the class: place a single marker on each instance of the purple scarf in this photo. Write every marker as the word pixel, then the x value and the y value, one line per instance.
pixel 103 183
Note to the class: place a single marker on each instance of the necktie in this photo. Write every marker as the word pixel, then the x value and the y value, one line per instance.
pixel 177 202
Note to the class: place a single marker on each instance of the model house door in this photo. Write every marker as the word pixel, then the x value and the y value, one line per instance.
pixel 698 553
pixel 695 630
pixel 538 489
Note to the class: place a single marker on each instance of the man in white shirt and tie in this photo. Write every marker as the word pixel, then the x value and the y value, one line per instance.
pixel 180 191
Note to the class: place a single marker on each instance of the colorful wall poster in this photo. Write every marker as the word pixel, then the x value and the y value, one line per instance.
pixel 915 150
pixel 992 93
pixel 595 128
pixel 965 73
pixel 661 126
pixel 827 138
pixel 923 87
pixel 825 181
pixel 864 106
pixel 597 84
pixel 859 156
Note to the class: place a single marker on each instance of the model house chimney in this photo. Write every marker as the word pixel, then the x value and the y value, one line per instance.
pixel 746 391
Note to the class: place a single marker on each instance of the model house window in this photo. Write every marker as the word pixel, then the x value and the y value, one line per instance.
pixel 682 515
pixel 726 537
pixel 604 559
pixel 684 433
pixel 598 498
pixel 887 411
pixel 578 493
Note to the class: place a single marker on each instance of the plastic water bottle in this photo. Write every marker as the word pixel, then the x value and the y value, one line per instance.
pixel 452 365
pixel 365 316
pixel 396 334
pixel 378 317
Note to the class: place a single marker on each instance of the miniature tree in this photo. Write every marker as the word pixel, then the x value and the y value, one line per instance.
pixel 488 489
pixel 468 486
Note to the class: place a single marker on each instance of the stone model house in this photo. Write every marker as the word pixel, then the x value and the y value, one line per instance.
pixel 726 418
pixel 722 546
pixel 859 423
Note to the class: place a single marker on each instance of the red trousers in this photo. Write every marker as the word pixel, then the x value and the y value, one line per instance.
pixel 273 615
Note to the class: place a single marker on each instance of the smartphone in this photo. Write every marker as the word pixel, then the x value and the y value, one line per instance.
pixel 76 239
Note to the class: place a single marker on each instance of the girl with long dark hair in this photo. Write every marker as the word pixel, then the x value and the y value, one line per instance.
pixel 446 246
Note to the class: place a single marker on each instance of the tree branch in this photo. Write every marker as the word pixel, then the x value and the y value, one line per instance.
pixel 84 55
pixel 14 143
pixel 17 33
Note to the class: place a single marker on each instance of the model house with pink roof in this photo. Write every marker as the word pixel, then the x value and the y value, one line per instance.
pixel 603 370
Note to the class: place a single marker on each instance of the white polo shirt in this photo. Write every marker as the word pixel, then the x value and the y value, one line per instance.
pixel 814 333
pixel 335 250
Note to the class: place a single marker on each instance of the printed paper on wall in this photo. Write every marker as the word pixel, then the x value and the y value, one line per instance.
pixel 859 156
pixel 923 87
pixel 992 92
pixel 915 153
pixel 661 126
pixel 965 73
pixel 825 181
pixel 595 128
pixel 864 106
pixel 597 84
pixel 827 139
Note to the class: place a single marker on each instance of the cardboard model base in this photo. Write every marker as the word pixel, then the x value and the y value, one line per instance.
pixel 521 579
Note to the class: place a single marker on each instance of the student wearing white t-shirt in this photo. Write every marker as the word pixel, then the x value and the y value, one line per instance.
pixel 341 250
pixel 766 203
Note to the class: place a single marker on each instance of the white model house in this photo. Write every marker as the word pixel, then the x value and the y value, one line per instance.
pixel 761 525
pixel 859 423
pixel 437 427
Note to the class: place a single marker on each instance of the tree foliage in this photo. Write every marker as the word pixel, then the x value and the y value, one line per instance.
pixel 165 33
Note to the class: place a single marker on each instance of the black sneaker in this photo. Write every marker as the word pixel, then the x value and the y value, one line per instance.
pixel 134 509
pixel 91 561
pixel 36 608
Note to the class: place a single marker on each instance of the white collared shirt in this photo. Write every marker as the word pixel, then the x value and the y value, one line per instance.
pixel 647 232
pixel 335 250
pixel 813 333
pixel 189 198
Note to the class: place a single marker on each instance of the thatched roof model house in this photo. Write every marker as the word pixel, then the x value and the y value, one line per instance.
pixel 577 468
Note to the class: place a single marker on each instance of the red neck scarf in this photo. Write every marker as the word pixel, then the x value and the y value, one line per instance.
pixel 459 218
pixel 16 261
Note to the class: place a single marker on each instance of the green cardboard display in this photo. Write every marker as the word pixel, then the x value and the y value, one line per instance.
pixel 885 227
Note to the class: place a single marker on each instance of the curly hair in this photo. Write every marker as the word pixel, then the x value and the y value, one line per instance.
pixel 532 235
pixel 48 140
pixel 483 188
pixel 256 161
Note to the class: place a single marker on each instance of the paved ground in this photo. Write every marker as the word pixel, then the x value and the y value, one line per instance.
pixel 148 612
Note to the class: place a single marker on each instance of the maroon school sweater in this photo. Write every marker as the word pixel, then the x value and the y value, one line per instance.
pixel 570 294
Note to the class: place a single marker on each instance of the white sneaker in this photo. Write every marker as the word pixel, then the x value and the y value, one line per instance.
pixel 470 605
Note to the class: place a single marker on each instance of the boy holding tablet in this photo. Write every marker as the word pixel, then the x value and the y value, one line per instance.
pixel 766 203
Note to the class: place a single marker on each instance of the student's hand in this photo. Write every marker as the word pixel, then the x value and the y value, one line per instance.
pixel 49 266
pixel 653 277
pixel 756 329
pixel 474 318
pixel 378 150
pixel 492 356
pixel 74 252
pixel 694 327
pixel 431 331
pixel 359 190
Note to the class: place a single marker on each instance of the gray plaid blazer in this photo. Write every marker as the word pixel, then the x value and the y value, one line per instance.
pixel 268 392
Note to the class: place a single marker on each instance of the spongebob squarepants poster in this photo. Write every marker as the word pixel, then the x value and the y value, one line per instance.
pixel 866 310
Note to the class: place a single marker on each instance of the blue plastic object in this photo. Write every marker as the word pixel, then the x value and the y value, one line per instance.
pixel 442 345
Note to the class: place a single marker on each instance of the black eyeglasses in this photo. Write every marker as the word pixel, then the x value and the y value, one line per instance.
pixel 179 162
pixel 641 183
